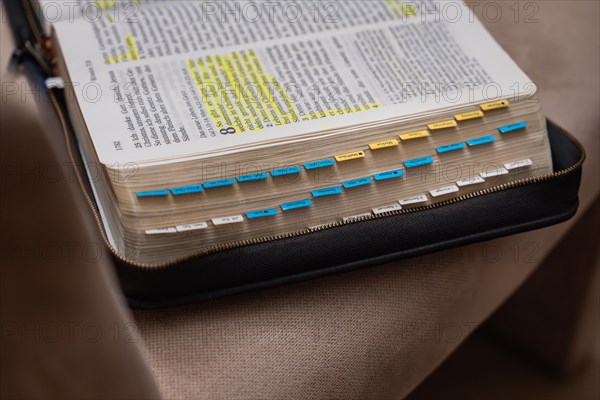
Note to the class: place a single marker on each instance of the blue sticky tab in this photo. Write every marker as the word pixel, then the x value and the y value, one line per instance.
pixel 357 182
pixel 294 205
pixel 261 214
pixel 452 147
pixel 418 162
pixel 217 184
pixel 153 193
pixel 261 176
pixel 320 164
pixel 481 140
pixel 286 171
pixel 513 127
pixel 332 191
pixel 186 190
pixel 382 176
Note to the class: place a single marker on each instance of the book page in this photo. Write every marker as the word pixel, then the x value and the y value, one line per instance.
pixel 184 80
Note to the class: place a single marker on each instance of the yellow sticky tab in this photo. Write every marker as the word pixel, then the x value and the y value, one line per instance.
pixel 442 125
pixel 383 145
pixel 414 135
pixel 495 105
pixel 469 115
pixel 350 156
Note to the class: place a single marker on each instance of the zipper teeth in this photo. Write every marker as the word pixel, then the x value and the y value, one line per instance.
pixel 248 242
pixel 31 20
pixel 80 181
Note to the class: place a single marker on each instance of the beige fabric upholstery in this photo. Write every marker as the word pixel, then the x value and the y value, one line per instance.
pixel 375 333
pixel 65 332
pixel 553 315
pixel 64 329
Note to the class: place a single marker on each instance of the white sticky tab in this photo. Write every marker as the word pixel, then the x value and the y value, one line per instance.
pixel 356 217
pixel 386 209
pixel 444 191
pixel 192 227
pixel 471 181
pixel 234 219
pixel 497 172
pixel 414 200
pixel 55 82
pixel 161 231
pixel 518 164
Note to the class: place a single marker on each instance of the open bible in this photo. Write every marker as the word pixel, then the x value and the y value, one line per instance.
pixel 206 123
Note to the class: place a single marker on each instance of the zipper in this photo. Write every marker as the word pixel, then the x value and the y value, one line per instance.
pixel 242 243
pixel 31 20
